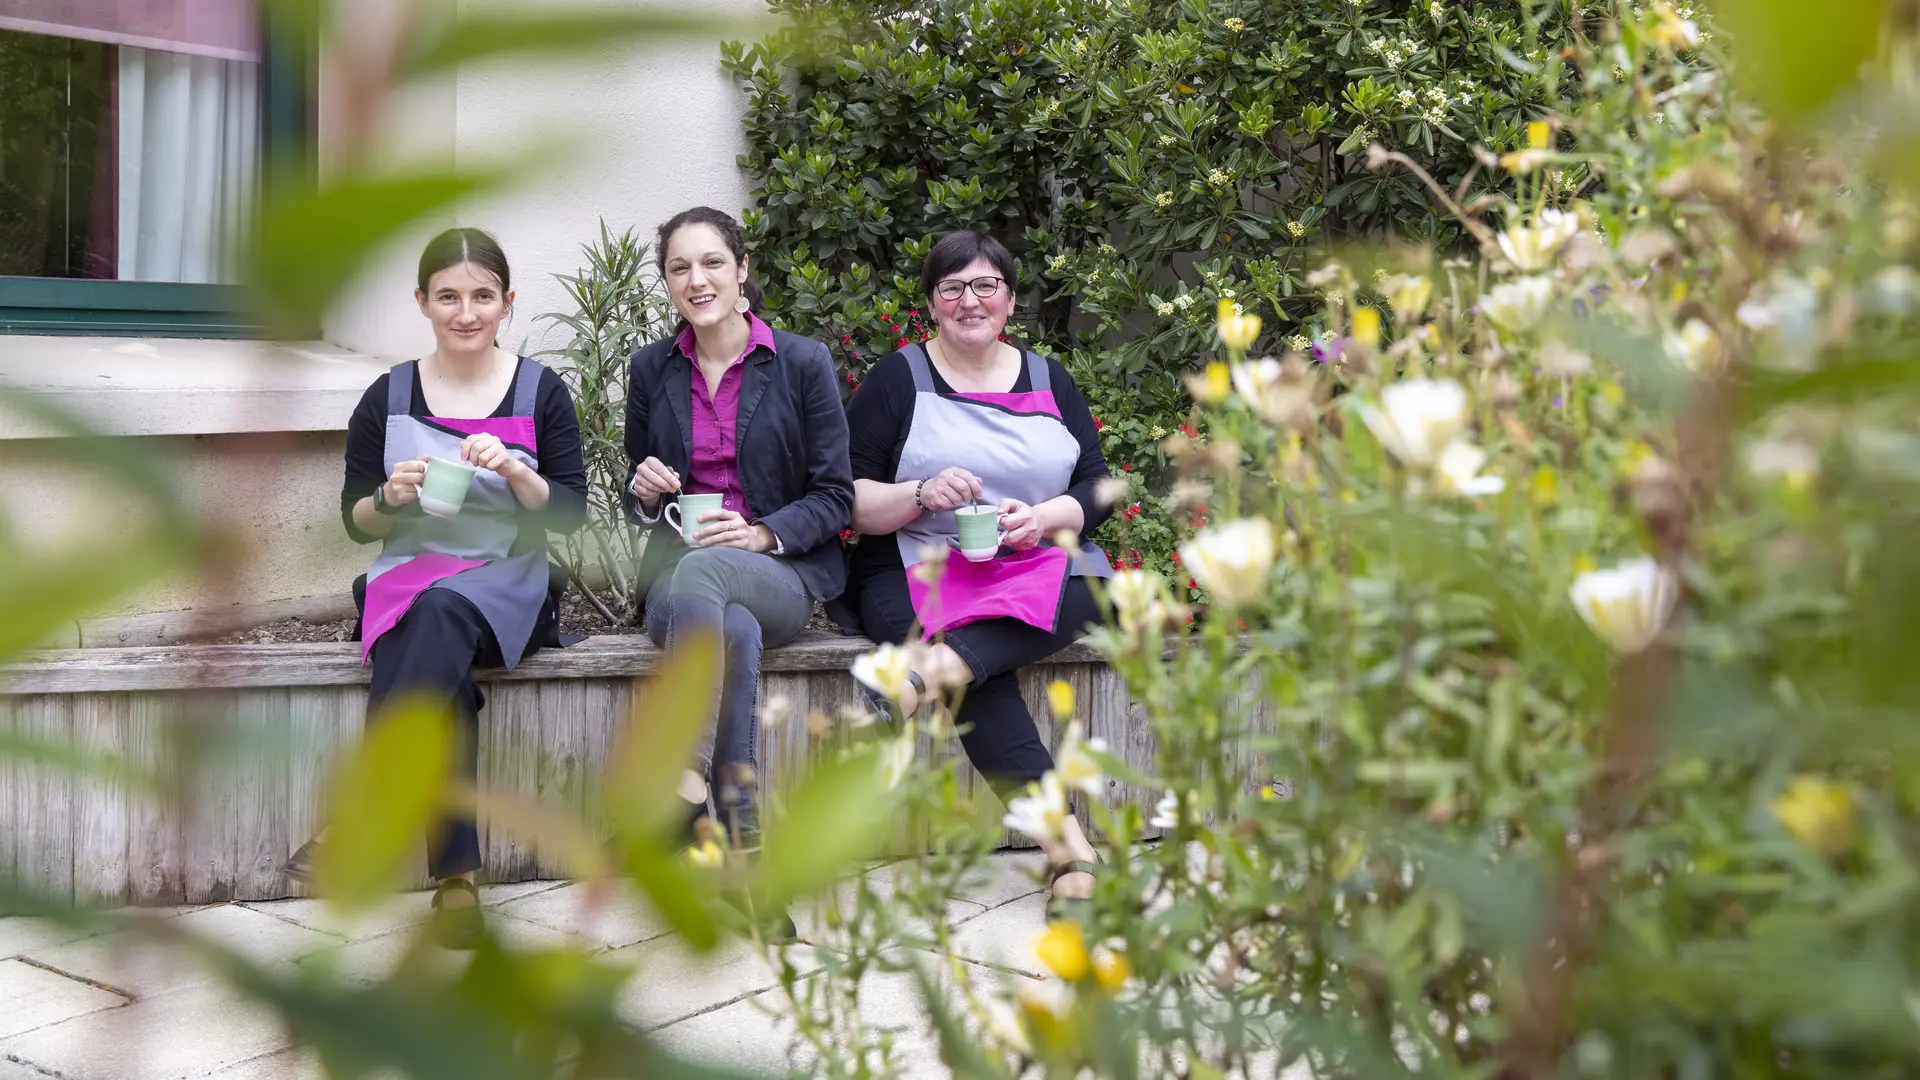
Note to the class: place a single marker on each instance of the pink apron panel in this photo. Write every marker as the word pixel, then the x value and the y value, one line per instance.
pixel 1024 586
pixel 392 593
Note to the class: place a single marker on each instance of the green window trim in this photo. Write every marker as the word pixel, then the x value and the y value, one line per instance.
pixel 84 306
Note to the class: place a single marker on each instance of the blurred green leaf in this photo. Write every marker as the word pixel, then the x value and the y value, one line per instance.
pixel 675 892
pixel 310 242
pixel 1850 381
pixel 958 1050
pixel 381 798
pixel 669 713
pixel 832 818
pixel 67 758
pixel 1796 56
pixel 1501 898
pixel 546 32
pixel 42 594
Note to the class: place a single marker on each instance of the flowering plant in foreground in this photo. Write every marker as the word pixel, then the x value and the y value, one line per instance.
pixel 1554 716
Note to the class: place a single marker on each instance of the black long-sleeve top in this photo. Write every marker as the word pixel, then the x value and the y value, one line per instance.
pixel 556 429
pixel 881 411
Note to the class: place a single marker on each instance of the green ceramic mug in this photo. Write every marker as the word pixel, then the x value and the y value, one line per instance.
pixel 446 486
pixel 979 529
pixel 685 512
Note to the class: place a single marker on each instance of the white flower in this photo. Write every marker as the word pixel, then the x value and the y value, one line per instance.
pixel 1003 1024
pixel 1132 593
pixel 1049 997
pixel 1299 343
pixel 1693 346
pixel 1183 301
pixel 885 670
pixel 896 758
pixel 1042 812
pixel 1165 309
pixel 1458 471
pixel 1530 247
pixel 1075 766
pixel 1110 490
pixel 1232 561
pixel 1406 97
pixel 1166 813
pixel 1263 386
pixel 1755 315
pixel 1627 605
pixel 1563 361
pixel 1417 418
pixel 775 711
pixel 1518 304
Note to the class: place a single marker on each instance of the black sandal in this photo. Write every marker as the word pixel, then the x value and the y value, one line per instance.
pixel 457 928
pixel 1068 908
pixel 300 865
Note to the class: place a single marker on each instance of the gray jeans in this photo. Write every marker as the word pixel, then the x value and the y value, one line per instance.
pixel 754 601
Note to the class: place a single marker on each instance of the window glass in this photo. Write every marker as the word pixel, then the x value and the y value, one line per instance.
pixel 122 162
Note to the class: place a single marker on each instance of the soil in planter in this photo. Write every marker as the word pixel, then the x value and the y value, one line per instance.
pixel 576 617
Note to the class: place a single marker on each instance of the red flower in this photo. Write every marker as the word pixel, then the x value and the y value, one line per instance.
pixel 846 339
pixel 1187 430
pixel 849 376
pixel 1132 512
pixel 1243 624
pixel 1097 425
pixel 1126 466
pixel 1176 557
pixel 1192 584
pixel 846 535
pixel 902 343
pixel 913 313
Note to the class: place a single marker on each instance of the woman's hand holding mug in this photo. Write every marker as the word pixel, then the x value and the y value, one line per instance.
pixel 403 485
pixel 653 481
pixel 1019 525
pixel 953 487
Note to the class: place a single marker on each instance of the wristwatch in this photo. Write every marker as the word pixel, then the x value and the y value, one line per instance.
pixel 380 503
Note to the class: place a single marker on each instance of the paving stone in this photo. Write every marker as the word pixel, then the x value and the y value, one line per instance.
pixel 32 997
pixel 297 1063
pixel 394 913
pixel 673 982
pixel 1001 879
pixel 617 920
pixel 810 916
pixel 19 1070
pixel 377 959
pixel 743 1036
pixel 143 969
pixel 1005 936
pixel 20 935
pixel 183 1034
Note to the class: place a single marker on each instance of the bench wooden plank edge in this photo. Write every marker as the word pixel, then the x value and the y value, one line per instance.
pixel 201 667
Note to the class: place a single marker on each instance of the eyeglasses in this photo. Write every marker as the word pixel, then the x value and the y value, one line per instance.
pixel 983 287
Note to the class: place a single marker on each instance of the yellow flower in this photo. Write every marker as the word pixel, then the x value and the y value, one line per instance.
pixel 1366 327
pixel 1064 950
pixel 1213 386
pixel 1818 812
pixel 1235 25
pixel 1407 295
pixel 1546 486
pixel 1613 394
pixel 1237 332
pixel 1111 969
pixel 1296 229
pixel 1539 134
pixel 705 855
pixel 1163 200
pixel 1060 699
pixel 1523 161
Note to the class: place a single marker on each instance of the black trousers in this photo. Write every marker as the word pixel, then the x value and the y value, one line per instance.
pixel 1002 741
pixel 433 650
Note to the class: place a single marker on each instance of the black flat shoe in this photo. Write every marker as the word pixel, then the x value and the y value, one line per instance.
pixel 299 866
pixel 1068 908
pixel 457 928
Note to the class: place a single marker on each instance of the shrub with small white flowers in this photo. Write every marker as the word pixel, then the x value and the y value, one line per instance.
pixel 1552 714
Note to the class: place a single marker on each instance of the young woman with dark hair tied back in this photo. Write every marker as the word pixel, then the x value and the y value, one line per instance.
pixel 458 464
pixel 736 430
pixel 968 423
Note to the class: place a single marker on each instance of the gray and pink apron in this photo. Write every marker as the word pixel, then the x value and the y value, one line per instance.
pixel 1019 448
pixel 472 552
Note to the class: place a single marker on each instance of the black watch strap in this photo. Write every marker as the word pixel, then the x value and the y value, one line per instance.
pixel 380 503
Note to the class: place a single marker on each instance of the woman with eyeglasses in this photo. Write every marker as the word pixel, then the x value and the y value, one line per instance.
pixel 968 421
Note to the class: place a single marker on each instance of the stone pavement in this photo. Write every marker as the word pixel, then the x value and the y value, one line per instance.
pixel 100 1009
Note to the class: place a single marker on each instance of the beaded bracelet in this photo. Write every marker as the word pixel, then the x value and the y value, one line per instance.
pixel 916 494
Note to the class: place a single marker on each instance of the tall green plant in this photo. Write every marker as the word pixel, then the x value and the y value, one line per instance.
pixel 619 305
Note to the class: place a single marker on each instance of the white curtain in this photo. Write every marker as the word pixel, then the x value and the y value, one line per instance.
pixel 189 150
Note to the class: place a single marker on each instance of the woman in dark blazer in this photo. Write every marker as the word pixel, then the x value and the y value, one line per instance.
pixel 729 406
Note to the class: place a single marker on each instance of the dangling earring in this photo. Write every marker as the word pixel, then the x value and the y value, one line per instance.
pixel 740 303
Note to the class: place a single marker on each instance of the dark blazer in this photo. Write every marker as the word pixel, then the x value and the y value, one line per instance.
pixel 790 438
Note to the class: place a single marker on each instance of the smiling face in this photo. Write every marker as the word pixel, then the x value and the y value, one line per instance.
pixel 466 305
pixel 703 277
pixel 971 319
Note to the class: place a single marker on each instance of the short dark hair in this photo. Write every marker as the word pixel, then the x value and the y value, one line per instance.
pixel 729 230
pixel 456 246
pixel 956 250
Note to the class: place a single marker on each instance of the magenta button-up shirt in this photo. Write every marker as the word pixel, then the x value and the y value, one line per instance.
pixel 715 465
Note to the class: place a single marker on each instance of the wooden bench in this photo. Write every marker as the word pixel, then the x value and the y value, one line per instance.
pixel 243 736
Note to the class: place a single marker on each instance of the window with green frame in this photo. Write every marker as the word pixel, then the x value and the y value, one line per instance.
pixel 130 156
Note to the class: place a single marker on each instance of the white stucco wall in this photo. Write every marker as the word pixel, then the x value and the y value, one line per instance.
pixel 645 132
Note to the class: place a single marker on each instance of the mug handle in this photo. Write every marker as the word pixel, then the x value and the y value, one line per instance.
pixel 672 514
